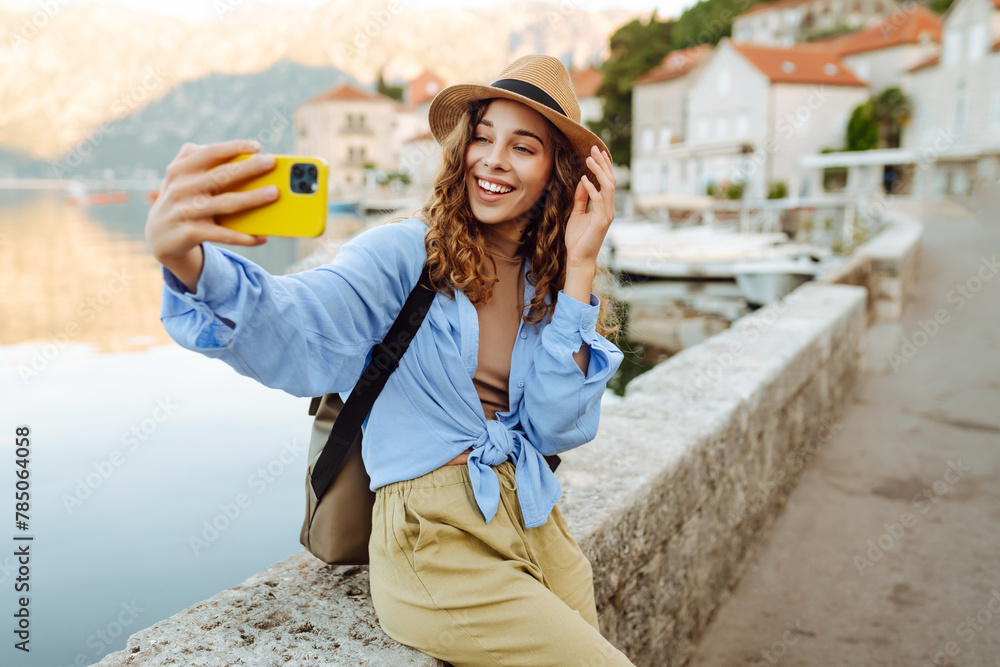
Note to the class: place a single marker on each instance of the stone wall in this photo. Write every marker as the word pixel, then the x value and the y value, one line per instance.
pixel 687 473
pixel 693 466
pixel 887 266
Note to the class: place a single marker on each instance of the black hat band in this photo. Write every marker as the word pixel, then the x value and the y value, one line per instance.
pixel 529 90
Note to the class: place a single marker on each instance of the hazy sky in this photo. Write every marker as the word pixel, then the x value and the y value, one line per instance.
pixel 202 9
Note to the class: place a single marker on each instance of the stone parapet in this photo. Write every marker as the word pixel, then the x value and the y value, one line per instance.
pixel 686 474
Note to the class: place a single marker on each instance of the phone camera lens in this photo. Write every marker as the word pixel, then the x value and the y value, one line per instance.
pixel 312 170
pixel 297 171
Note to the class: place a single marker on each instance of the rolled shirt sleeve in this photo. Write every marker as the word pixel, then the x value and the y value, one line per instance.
pixel 307 333
pixel 562 404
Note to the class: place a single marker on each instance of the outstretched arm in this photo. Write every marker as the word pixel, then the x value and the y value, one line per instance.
pixel 307 333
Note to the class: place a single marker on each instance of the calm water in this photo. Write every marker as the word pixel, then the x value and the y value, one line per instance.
pixel 138 446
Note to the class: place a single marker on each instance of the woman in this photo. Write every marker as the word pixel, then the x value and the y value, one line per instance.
pixel 471 560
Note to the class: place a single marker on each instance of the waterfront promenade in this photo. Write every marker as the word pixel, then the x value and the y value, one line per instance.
pixel 888 551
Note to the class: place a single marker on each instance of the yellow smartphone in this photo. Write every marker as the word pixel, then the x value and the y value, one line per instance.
pixel 299 210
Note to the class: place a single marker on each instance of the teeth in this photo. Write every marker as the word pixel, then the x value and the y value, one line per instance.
pixel 493 187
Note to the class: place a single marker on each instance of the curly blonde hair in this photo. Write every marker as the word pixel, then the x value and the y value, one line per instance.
pixel 456 248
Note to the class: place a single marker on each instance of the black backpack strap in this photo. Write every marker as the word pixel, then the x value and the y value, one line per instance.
pixel 385 359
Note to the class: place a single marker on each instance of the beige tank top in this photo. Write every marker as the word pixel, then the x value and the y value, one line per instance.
pixel 498 323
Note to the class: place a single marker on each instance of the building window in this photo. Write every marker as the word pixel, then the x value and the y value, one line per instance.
pixel 647 179
pixel 702 129
pixel 721 127
pixel 666 135
pixel 742 125
pixel 722 83
pixel 355 156
pixel 961 114
pixel 924 120
pixel 647 139
pixel 952 52
pixel 995 110
pixel 977 41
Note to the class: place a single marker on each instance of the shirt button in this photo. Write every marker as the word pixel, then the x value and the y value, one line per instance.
pixel 520 383
pixel 524 335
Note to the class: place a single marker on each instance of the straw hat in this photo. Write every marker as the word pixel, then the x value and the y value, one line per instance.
pixel 541 82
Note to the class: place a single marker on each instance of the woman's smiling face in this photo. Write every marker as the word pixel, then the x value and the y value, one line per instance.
pixel 507 164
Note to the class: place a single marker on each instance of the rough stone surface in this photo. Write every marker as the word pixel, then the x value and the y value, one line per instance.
pixel 694 464
pixel 297 613
pixel 887 266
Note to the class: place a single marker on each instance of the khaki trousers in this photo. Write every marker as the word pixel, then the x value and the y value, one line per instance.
pixel 468 593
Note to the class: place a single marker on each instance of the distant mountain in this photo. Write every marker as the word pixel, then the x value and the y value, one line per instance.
pixel 94 63
pixel 15 164
pixel 217 107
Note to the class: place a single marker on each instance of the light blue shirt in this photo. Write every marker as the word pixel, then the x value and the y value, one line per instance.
pixel 312 333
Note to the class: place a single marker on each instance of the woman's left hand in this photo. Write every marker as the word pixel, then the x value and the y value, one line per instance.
pixel 585 231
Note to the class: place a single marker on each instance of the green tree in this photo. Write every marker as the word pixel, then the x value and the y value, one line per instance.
pixel 879 122
pixel 892 109
pixel 395 92
pixel 708 21
pixel 862 128
pixel 636 48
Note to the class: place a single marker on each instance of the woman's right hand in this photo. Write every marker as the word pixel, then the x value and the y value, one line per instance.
pixel 190 198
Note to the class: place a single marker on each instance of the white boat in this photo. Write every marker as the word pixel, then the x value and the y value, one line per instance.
pixel 382 204
pixel 766 281
pixel 655 250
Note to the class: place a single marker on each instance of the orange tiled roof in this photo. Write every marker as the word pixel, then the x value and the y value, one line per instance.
pixel 798 64
pixel 892 32
pixel 675 64
pixel 586 81
pixel 425 136
pixel 347 92
pixel 423 88
pixel 778 4
pixel 930 62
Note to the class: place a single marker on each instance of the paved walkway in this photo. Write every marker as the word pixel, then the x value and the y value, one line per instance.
pixel 888 552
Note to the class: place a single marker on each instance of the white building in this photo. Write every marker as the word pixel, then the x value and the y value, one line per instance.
pixel 881 55
pixel 586 82
pixel 352 129
pixel 956 98
pixel 418 153
pixel 784 22
pixel 659 108
pixel 752 112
